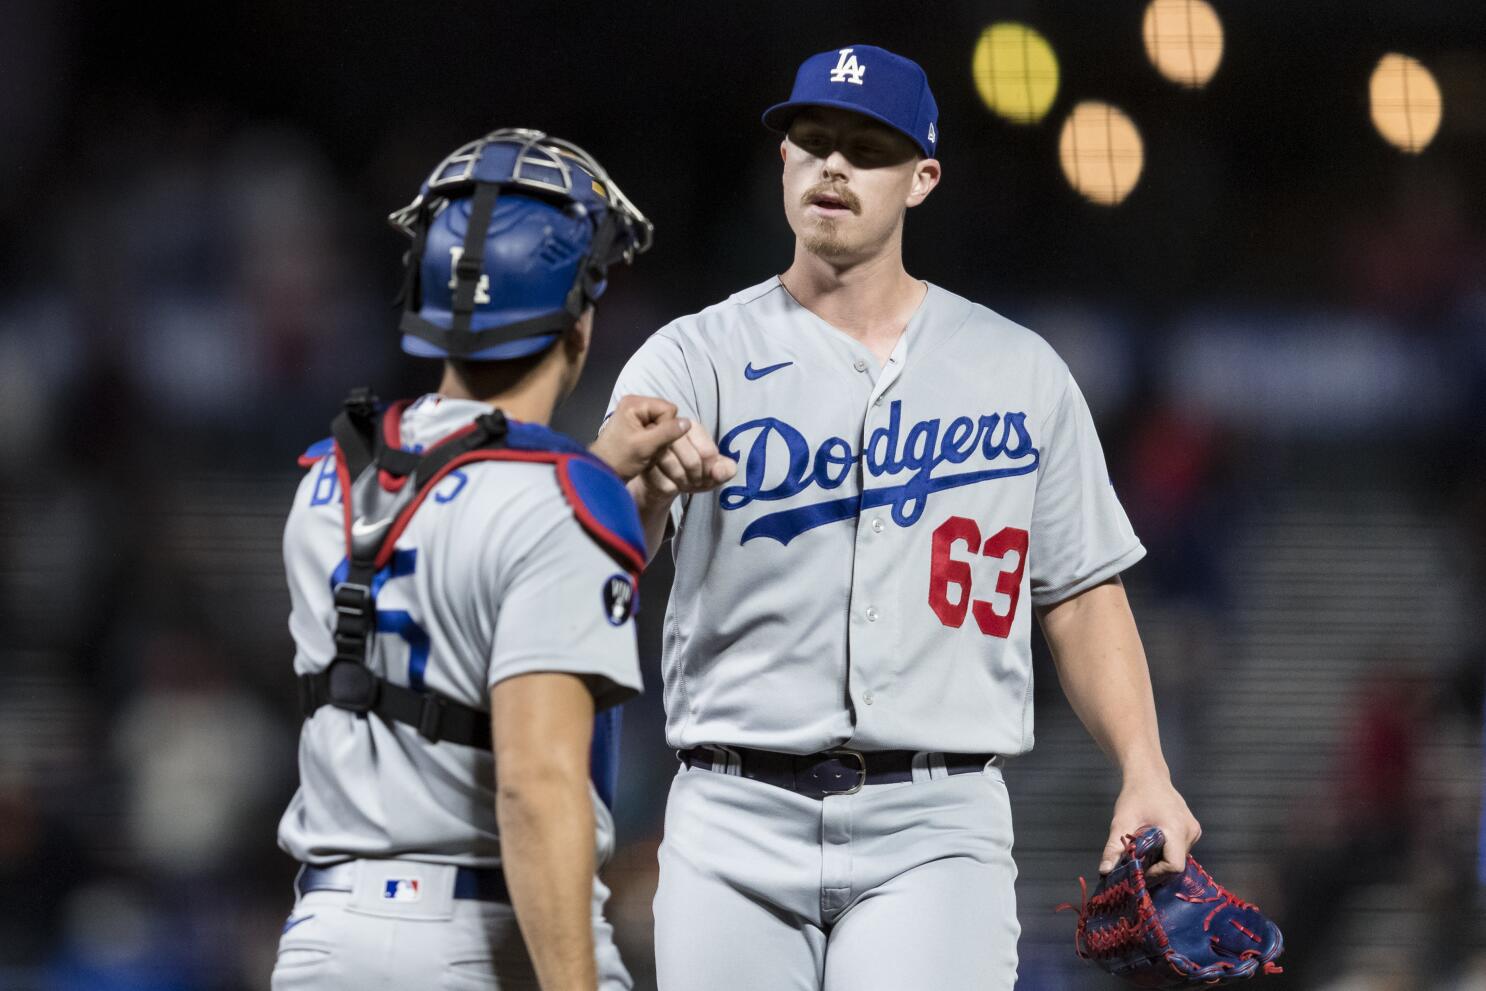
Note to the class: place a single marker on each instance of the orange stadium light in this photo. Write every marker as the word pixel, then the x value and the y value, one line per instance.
pixel 1406 103
pixel 1184 40
pixel 1101 152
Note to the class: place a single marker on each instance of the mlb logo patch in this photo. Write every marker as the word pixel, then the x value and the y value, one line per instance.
pixel 401 889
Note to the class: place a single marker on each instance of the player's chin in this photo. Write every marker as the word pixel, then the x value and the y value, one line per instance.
pixel 825 239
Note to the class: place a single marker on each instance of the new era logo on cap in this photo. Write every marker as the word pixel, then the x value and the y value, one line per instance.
pixel 402 889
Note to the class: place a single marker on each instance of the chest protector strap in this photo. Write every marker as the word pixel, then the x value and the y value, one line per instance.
pixel 374 521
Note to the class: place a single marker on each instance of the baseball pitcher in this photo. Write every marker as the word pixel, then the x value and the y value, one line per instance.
pixel 463 581
pixel 881 484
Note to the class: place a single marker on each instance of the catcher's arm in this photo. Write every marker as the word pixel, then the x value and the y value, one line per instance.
pixel 543 726
pixel 1102 667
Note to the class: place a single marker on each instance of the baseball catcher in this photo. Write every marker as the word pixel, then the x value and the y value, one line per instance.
pixel 463 582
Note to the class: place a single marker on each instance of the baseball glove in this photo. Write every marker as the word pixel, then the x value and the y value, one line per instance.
pixel 1175 931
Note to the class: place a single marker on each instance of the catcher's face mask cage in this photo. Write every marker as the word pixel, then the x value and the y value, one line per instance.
pixel 512 236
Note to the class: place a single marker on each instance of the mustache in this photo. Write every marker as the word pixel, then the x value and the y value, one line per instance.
pixel 836 190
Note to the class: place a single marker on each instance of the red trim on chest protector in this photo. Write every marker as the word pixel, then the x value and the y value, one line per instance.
pixel 343 476
pixel 392 437
pixel 611 541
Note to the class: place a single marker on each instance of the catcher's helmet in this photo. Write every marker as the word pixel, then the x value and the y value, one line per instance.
pixel 512 235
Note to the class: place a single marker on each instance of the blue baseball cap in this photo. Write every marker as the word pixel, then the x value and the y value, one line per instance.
pixel 866 80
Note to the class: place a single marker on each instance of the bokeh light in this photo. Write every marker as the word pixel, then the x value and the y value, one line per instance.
pixel 1016 72
pixel 1184 40
pixel 1101 152
pixel 1406 102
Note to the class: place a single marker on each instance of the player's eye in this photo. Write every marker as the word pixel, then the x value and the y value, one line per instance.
pixel 813 143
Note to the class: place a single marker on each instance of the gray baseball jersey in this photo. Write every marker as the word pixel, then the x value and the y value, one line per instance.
pixel 494 577
pixel 866 580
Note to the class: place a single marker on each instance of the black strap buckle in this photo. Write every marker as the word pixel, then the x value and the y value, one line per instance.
pixel 352 599
pixel 351 685
pixel 355 619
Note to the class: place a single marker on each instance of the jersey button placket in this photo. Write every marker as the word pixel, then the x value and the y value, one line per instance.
pixel 871 636
pixel 888 377
pixel 836 888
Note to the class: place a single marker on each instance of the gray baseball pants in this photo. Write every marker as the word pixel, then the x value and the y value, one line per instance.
pixel 360 940
pixel 899 887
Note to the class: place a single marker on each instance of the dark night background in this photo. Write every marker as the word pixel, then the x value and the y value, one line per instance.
pixel 1282 333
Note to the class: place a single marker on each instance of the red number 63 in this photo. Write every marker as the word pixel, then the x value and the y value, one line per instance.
pixel 945 570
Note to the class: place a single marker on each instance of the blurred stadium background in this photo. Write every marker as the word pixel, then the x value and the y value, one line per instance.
pixel 1256 231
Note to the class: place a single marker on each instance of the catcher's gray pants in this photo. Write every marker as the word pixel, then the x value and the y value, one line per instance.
pixel 896 888
pixel 365 940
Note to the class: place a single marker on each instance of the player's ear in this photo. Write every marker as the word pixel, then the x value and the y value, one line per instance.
pixel 783 157
pixel 580 334
pixel 925 178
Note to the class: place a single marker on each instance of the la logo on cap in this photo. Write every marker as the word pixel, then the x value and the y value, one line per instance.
pixel 848 69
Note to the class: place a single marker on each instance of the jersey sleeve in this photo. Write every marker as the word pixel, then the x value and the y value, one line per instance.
pixel 664 367
pixel 566 606
pixel 1080 533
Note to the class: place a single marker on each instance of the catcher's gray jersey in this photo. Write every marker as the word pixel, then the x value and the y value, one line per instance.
pixel 493 578
pixel 867 578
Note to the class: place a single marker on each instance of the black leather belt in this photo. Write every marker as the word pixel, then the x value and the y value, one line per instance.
pixel 831 772
pixel 481 884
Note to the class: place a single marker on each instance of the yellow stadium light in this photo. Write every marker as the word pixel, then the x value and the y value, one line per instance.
pixel 1406 102
pixel 1015 72
pixel 1184 40
pixel 1101 152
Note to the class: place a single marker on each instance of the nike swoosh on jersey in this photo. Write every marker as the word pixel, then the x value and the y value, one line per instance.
pixel 291 923
pixel 360 529
pixel 752 374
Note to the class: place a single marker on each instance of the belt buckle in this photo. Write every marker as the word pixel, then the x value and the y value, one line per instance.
pixel 861 760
